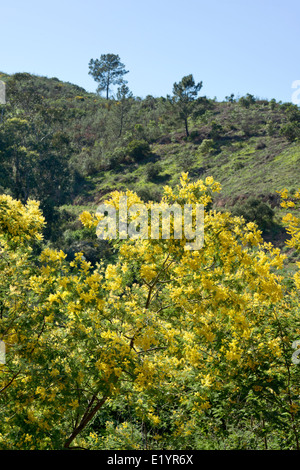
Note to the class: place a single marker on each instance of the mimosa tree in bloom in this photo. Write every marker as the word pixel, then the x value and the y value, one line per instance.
pixel 192 348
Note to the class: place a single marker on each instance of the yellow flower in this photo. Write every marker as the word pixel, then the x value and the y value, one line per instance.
pixel 294 408
pixel 148 272
pixel 153 418
pixel 74 404
pixel 86 219
pixel 209 180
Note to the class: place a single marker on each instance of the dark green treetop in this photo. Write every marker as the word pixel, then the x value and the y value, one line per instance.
pixel 184 94
pixel 107 71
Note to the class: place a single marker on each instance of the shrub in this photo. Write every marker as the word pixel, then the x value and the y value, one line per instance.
pixel 216 130
pixel 291 131
pixel 149 193
pixel 247 100
pixel 138 149
pixel 206 146
pixel 255 210
pixel 116 157
pixel 153 170
pixel 270 127
pixel 293 113
pixel 272 104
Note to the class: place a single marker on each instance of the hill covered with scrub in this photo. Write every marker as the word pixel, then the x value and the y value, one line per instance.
pixel 68 149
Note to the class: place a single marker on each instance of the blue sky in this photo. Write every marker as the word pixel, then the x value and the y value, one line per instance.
pixel 233 46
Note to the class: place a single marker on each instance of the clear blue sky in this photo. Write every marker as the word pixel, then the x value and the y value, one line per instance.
pixel 233 46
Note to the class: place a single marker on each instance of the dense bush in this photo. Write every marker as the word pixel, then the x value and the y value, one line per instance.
pixel 206 146
pixel 247 101
pixel 153 170
pixel 149 192
pixel 291 131
pixel 138 149
pixel 161 348
pixel 255 210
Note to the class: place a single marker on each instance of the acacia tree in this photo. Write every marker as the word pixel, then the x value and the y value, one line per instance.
pixel 198 339
pixel 184 94
pixel 107 71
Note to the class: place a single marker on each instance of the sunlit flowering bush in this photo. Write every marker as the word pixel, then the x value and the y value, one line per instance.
pixel 166 348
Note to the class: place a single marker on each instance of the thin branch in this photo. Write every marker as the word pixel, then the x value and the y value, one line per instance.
pixel 87 417
pixel 151 349
pixel 11 381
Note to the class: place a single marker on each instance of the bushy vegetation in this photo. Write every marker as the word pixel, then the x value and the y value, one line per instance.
pixel 164 348
pixel 255 210
pixel 143 344
pixel 66 147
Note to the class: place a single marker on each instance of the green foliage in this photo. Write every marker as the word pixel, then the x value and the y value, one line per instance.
pixel 153 170
pixel 34 162
pixel 270 128
pixel 291 131
pixel 107 71
pixel 206 146
pixel 255 210
pixel 216 130
pixel 138 149
pixel 293 113
pixel 149 192
pixel 60 144
pixel 124 103
pixel 230 98
pixel 184 95
pixel 247 101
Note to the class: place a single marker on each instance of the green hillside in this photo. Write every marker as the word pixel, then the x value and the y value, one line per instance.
pixel 69 149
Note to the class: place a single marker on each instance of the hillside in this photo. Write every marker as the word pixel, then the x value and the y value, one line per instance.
pixel 69 149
